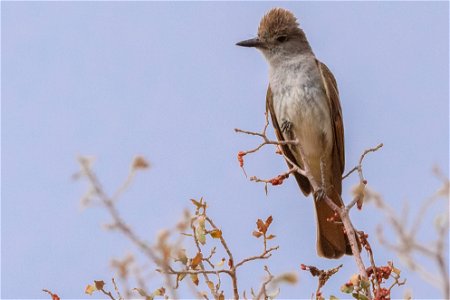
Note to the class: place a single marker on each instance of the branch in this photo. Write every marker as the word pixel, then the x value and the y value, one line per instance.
pixel 265 255
pixel 118 223
pixel 408 244
pixel 263 290
pixel 306 171
pixel 323 276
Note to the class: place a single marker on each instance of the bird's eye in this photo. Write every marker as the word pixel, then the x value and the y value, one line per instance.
pixel 282 39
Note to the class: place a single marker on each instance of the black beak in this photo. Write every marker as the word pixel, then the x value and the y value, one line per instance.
pixel 256 43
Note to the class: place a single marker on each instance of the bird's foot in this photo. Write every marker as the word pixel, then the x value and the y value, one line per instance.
pixel 320 194
pixel 286 126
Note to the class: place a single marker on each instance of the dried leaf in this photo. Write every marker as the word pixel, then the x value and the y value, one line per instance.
pixel 86 161
pixel 347 288
pixel 271 236
pixel 200 231
pixel 201 237
pixel 261 226
pixel 194 279
pixel 89 289
pixel 99 285
pixel 396 271
pixel 257 234
pixel 360 296
pixel 358 192
pixel 221 296
pixel 159 292
pixel 274 294
pixel 332 297
pixel 182 256
pixel 198 204
pixel 141 292
pixel 210 285
pixel 201 222
pixel 268 222
pixel 290 278
pixel 355 279
pixel 365 284
pixel 221 263
pixel 180 277
pixel 230 263
pixel 203 295
pixel 216 233
pixel 196 260
pixel 140 163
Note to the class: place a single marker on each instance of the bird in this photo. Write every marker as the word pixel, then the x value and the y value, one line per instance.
pixel 303 102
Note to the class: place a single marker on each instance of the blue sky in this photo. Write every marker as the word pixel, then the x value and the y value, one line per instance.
pixel 165 80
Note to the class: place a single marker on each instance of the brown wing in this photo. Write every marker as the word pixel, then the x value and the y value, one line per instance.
pixel 302 181
pixel 338 127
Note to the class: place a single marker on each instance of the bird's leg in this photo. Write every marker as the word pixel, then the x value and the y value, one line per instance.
pixel 321 191
pixel 322 173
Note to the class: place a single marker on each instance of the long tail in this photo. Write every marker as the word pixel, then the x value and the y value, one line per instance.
pixel 331 239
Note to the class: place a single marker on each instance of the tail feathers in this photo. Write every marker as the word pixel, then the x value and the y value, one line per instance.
pixel 332 242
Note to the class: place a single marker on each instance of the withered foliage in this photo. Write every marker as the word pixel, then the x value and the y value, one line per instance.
pixel 169 253
pixel 196 254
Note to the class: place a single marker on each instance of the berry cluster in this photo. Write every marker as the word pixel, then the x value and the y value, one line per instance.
pixel 383 294
pixel 279 179
pixel 382 272
pixel 240 156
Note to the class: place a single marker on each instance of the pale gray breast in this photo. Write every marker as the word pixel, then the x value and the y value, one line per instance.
pixel 299 97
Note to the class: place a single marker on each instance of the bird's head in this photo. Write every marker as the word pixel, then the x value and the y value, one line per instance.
pixel 279 35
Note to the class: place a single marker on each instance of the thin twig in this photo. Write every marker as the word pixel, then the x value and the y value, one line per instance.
pixel 263 290
pixel 230 260
pixel 407 240
pixel 265 255
pixel 119 223
pixel 116 289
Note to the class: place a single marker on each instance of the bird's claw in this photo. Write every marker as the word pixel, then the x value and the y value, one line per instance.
pixel 319 194
pixel 286 126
